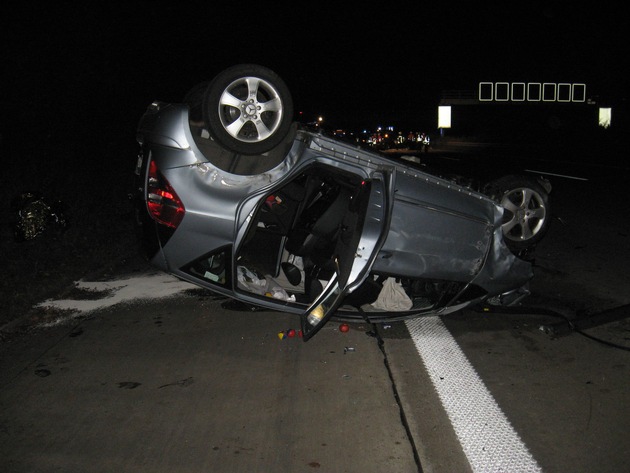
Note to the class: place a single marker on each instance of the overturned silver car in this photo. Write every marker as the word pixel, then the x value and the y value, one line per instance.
pixel 236 197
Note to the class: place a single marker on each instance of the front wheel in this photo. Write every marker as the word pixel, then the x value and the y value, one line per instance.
pixel 527 213
pixel 248 109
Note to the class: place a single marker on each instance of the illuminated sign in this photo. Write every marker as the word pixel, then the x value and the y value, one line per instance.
pixel 605 116
pixel 531 92
pixel 444 116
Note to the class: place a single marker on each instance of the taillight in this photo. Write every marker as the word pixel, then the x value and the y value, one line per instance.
pixel 164 204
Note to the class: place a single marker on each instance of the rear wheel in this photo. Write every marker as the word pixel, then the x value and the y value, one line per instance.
pixel 248 109
pixel 527 214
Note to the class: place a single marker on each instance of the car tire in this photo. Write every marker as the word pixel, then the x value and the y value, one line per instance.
pixel 527 213
pixel 194 99
pixel 248 109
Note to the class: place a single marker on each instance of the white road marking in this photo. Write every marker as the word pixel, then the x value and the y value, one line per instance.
pixel 147 286
pixel 486 436
pixel 557 175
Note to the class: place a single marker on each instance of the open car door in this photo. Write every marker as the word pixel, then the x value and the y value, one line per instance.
pixel 363 232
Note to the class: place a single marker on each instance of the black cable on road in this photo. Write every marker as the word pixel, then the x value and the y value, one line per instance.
pixel 568 325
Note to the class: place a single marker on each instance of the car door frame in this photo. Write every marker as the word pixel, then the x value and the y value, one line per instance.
pixel 373 232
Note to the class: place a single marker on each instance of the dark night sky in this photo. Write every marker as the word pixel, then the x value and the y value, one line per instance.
pixel 353 64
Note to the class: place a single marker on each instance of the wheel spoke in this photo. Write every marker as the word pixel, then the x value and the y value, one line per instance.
pixel 234 128
pixel 229 100
pixel 526 232
pixel 527 198
pixel 538 213
pixel 263 131
pixel 252 87
pixel 273 105
pixel 509 205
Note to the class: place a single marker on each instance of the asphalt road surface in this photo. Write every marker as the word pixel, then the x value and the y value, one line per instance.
pixel 180 384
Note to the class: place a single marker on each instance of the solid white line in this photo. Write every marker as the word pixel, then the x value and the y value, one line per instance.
pixel 557 175
pixel 486 436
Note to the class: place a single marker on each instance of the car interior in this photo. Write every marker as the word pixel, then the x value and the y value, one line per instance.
pixel 300 230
